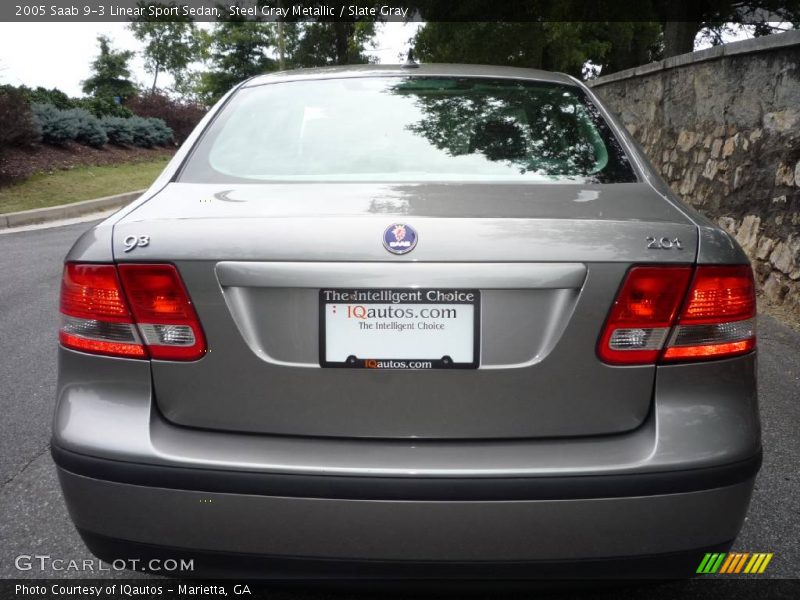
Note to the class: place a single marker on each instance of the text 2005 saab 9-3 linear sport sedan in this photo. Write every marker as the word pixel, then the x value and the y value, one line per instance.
pixel 421 322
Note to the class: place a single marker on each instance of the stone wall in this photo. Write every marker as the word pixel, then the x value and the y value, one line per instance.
pixel 722 126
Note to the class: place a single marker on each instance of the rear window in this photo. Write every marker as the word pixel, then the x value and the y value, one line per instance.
pixel 382 129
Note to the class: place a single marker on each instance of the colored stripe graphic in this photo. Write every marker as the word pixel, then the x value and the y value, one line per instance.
pixel 711 563
pixel 758 563
pixel 766 562
pixel 740 564
pixel 734 562
pixel 729 562
pixel 704 563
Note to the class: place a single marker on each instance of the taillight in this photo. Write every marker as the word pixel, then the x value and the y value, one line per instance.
pixel 94 315
pixel 646 321
pixel 719 315
pixel 642 314
pixel 163 311
pixel 133 311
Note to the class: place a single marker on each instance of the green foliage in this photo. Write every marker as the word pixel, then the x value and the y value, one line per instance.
pixel 41 95
pixel 235 51
pixel 18 126
pixel 169 44
pixel 553 45
pixel 76 124
pixel 570 34
pixel 143 134
pixel 626 44
pixel 102 107
pixel 58 126
pixel 118 130
pixel 338 43
pixel 99 107
pixel 110 73
pixel 162 134
pixel 180 117
pixel 90 130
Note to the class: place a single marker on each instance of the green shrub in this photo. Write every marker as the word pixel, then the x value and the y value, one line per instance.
pixel 118 130
pixel 144 134
pixel 99 107
pixel 180 117
pixel 74 124
pixel 18 126
pixel 163 134
pixel 58 126
pixel 54 96
pixel 137 131
pixel 103 107
pixel 90 130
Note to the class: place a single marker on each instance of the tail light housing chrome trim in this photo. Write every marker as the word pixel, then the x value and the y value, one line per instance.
pixel 131 311
pixel 669 313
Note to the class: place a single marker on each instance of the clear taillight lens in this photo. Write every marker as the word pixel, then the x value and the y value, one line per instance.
pixel 136 311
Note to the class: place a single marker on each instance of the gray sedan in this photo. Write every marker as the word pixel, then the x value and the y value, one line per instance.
pixel 434 321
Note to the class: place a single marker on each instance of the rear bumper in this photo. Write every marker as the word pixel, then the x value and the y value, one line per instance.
pixel 286 527
pixel 678 484
pixel 282 568
pixel 421 489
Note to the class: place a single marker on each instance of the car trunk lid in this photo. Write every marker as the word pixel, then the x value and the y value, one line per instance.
pixel 546 260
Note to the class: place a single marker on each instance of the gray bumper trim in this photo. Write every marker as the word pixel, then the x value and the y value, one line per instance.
pixel 407 488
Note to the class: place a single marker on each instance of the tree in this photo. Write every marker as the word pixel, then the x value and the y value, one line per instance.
pixel 682 20
pixel 234 51
pixel 551 45
pixel 332 43
pixel 110 77
pixel 570 34
pixel 560 36
pixel 169 44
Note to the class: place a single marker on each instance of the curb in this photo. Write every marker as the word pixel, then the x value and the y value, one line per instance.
pixel 66 211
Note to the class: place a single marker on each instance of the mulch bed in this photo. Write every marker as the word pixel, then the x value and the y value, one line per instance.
pixel 18 163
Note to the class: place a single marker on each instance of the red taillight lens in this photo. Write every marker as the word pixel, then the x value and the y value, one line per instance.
pixel 142 311
pixel 717 320
pixel 720 294
pixel 94 315
pixel 642 314
pixel 163 311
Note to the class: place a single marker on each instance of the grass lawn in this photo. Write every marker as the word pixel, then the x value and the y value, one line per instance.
pixel 80 183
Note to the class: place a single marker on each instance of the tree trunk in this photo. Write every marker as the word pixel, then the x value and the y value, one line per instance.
pixel 281 45
pixel 155 78
pixel 342 30
pixel 679 37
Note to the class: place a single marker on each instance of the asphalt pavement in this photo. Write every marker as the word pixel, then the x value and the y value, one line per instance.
pixel 34 518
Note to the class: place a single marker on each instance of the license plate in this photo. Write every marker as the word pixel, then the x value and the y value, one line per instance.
pixel 399 328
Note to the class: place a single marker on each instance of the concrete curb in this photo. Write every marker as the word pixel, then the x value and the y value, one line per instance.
pixel 66 211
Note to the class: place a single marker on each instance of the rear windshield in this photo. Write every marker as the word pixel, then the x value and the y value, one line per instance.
pixel 383 129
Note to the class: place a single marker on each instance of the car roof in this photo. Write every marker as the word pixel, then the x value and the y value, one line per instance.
pixel 425 70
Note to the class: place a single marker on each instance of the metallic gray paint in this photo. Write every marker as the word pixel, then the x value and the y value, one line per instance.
pixel 395 530
pixel 538 380
pixel 430 70
pixel 703 415
pixel 568 392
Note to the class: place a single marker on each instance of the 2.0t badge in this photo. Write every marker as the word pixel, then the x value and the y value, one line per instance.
pixel 399 238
